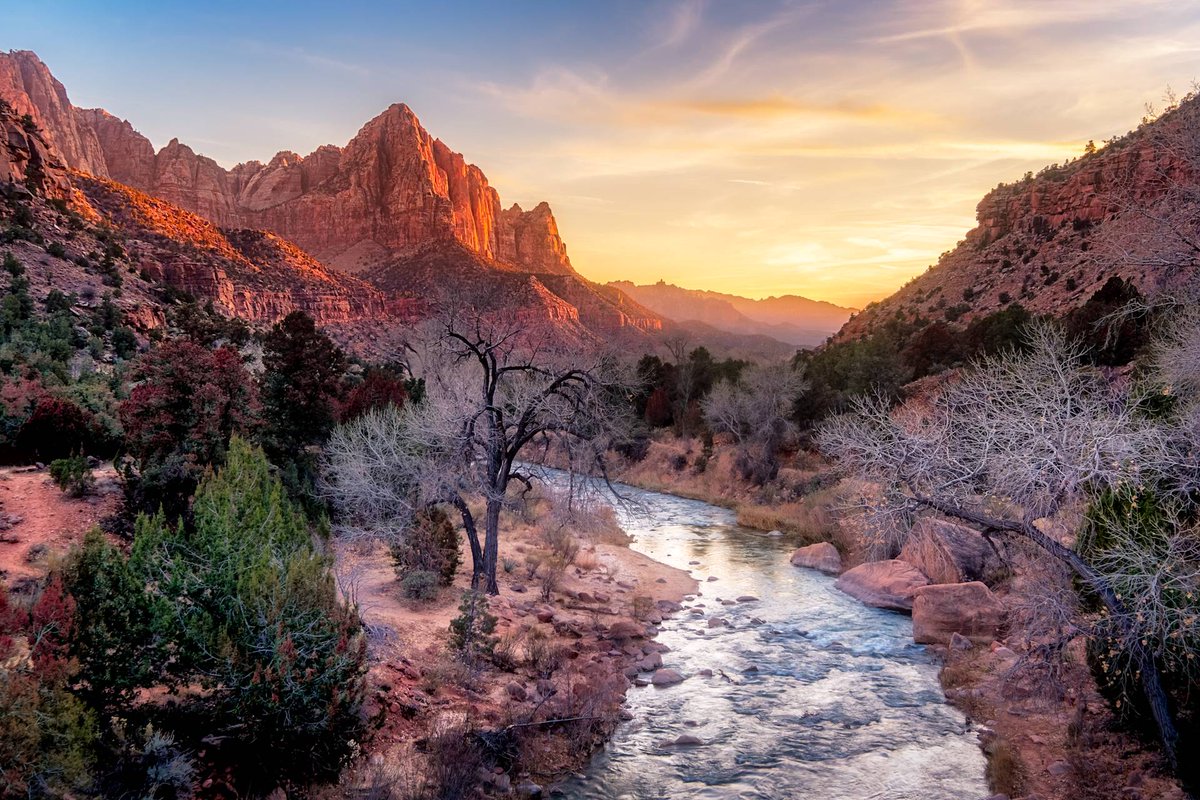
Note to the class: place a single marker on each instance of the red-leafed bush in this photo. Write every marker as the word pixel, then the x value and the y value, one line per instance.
pixel 187 403
pixel 379 388
pixel 56 428
pixel 46 733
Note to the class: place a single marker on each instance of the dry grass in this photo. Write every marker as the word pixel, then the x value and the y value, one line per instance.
pixel 810 520
pixel 1005 772
pixel 587 560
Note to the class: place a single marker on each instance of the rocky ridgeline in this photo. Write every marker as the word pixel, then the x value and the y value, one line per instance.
pixel 1051 241
pixel 375 207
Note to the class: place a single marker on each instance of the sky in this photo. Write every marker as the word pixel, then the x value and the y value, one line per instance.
pixel 828 149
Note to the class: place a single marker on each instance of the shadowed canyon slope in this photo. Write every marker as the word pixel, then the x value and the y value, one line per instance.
pixel 395 206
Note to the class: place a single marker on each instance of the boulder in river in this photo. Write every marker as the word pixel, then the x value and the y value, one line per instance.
pixel 948 552
pixel 967 609
pixel 626 629
pixel 820 556
pixel 666 677
pixel 884 584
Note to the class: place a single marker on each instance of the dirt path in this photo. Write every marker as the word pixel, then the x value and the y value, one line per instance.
pixel 38 521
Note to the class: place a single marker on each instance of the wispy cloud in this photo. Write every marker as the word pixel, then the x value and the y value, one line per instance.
pixel 301 55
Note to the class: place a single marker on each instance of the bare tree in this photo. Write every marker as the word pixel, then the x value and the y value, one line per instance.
pixel 494 395
pixel 678 344
pixel 1013 442
pixel 756 412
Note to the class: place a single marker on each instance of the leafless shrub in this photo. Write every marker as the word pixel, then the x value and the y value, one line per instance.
pixel 553 570
pixel 756 411
pixel 506 655
pixel 543 654
pixel 642 606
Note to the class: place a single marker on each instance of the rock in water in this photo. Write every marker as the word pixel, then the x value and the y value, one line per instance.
pixel 888 584
pixel 666 677
pixel 820 556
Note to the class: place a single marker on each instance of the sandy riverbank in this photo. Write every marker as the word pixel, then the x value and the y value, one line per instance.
pixel 567 655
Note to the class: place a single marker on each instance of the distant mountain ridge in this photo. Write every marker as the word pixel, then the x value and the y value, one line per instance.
pixel 791 319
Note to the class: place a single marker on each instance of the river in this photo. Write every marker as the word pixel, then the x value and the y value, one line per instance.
pixel 813 695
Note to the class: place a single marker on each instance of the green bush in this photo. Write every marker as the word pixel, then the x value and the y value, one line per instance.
pixel 249 605
pixel 420 584
pixel 73 475
pixel 431 545
pixel 117 650
pixel 471 632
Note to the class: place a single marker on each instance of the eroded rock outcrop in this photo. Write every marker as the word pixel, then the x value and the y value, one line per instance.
pixel 27 159
pixel 253 275
pixel 27 85
pixel 948 552
pixel 376 207
pixel 968 609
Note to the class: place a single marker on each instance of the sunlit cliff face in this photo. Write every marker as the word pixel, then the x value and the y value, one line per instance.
pixel 826 149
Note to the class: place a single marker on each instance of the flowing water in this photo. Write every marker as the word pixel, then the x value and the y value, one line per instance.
pixel 841 704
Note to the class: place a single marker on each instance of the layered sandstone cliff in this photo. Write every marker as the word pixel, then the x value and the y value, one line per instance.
pixel 393 185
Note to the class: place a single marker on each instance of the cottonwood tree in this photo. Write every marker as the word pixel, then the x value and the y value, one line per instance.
pixel 494 395
pixel 755 410
pixel 1006 446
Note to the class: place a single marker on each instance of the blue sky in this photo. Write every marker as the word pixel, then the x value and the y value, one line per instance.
pixel 831 149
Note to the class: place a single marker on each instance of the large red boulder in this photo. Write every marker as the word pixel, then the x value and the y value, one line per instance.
pixel 968 609
pixel 948 552
pixel 821 556
pixel 884 584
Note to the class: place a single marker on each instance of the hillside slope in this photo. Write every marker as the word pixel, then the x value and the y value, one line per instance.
pixel 1130 209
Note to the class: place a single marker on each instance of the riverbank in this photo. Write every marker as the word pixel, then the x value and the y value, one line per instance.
pixel 1045 729
pixel 567 649
pixel 800 502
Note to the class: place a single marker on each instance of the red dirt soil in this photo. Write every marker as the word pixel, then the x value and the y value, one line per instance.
pixel 40 522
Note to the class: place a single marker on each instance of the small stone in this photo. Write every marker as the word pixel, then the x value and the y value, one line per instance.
pixel 747 598
pixel 687 740
pixel 528 789
pixel 717 622
pixel 666 677
pixel 712 578
pixel 1059 768
pixel 960 642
